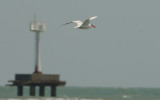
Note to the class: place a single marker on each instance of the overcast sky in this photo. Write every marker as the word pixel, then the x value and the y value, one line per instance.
pixel 123 51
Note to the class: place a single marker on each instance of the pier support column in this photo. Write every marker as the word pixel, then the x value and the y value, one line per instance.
pixel 53 91
pixel 32 90
pixel 41 90
pixel 20 90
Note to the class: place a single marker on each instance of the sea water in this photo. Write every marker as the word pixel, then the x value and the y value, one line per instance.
pixel 84 93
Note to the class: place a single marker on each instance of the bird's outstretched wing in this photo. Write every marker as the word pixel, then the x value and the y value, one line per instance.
pixel 78 22
pixel 86 22
pixel 94 17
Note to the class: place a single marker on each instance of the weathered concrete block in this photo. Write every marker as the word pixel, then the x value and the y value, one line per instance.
pixel 37 77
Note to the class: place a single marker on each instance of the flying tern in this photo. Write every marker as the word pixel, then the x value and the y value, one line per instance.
pixel 83 25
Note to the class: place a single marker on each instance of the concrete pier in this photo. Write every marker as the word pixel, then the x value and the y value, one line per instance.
pixel 37 80
pixel 20 90
pixel 53 91
pixel 41 90
pixel 32 90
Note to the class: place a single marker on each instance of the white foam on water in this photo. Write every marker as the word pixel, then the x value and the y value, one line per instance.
pixel 48 99
pixel 12 99
pixel 30 99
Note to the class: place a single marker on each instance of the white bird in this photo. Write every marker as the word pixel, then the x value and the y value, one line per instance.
pixel 83 25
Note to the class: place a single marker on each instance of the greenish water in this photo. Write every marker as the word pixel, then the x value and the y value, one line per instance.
pixel 85 93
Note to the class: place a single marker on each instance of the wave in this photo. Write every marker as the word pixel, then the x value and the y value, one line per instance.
pixel 46 98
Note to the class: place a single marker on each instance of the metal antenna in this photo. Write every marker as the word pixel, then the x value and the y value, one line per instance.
pixel 34 17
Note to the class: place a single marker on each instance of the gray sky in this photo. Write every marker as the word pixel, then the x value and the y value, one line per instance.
pixel 123 51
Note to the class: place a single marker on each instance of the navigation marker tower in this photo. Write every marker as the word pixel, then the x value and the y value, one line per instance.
pixel 37 27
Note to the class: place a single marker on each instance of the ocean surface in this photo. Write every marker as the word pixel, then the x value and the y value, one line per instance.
pixel 84 93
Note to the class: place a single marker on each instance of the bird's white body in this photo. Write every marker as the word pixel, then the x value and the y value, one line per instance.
pixel 83 25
